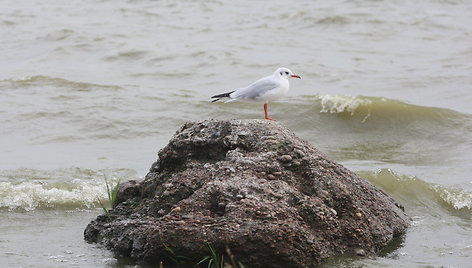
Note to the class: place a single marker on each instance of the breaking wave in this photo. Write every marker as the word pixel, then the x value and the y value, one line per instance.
pixel 340 104
pixel 375 108
pixel 29 189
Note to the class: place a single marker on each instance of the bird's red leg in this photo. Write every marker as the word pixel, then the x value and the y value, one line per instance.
pixel 266 108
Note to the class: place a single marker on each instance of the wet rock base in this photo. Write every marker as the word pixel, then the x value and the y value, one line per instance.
pixel 252 190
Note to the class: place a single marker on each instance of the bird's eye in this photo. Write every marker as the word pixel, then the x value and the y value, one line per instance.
pixel 281 73
pixel 286 73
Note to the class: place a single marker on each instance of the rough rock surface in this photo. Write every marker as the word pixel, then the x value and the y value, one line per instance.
pixel 251 186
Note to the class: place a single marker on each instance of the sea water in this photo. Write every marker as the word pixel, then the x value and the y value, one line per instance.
pixel 90 90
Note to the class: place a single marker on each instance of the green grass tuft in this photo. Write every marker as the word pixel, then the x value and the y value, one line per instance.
pixel 177 259
pixel 112 193
pixel 217 260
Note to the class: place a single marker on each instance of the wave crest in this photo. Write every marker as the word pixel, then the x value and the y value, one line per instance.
pixel 417 193
pixel 29 189
pixel 340 104
pixel 376 108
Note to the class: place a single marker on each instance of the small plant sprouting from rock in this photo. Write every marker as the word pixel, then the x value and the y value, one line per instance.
pixel 216 260
pixel 112 193
pixel 177 259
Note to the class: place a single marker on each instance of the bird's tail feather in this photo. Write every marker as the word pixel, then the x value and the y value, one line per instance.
pixel 220 96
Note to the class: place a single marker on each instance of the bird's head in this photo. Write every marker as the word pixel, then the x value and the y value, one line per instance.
pixel 285 73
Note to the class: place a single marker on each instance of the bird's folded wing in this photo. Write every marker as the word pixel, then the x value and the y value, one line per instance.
pixel 256 89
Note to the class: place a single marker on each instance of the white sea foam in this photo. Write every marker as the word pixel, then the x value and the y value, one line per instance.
pixel 459 199
pixel 29 189
pixel 339 103
pixel 30 195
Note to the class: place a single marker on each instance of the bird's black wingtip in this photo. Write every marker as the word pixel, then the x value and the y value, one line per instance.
pixel 224 95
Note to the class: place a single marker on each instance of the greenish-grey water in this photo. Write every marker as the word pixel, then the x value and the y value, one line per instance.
pixel 93 89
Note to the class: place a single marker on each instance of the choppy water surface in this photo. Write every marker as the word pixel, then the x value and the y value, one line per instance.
pixel 92 89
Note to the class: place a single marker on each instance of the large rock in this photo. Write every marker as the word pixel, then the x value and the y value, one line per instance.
pixel 255 188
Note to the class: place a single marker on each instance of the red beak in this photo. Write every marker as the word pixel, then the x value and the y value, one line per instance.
pixel 294 75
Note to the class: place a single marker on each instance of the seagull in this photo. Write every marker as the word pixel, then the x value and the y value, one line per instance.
pixel 264 90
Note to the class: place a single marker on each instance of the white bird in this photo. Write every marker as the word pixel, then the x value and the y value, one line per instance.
pixel 264 90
